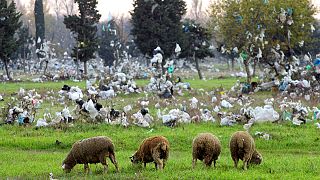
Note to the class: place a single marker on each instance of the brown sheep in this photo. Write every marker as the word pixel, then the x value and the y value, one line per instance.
pixel 242 147
pixel 91 150
pixel 206 147
pixel 153 149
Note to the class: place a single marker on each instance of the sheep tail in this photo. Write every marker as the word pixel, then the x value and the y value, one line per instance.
pixel 240 143
pixel 111 149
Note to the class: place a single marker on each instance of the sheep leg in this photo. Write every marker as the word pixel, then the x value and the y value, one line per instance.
pixel 214 163
pixel 235 160
pixel 86 169
pixel 105 168
pixel 156 158
pixel 194 161
pixel 114 161
pixel 103 161
pixel 246 159
pixel 159 163
pixel 105 165
pixel 208 160
pixel 245 165
pixel 164 161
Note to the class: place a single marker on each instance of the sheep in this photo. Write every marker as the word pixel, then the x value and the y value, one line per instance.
pixel 91 150
pixel 206 147
pixel 242 147
pixel 153 149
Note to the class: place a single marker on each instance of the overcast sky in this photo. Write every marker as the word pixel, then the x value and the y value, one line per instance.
pixel 119 7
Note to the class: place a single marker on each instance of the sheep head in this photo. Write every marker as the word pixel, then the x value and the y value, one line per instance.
pixel 67 165
pixel 256 158
pixel 135 158
pixel 66 168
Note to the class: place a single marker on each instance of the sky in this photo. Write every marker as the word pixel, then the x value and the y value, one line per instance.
pixel 122 7
pixel 118 7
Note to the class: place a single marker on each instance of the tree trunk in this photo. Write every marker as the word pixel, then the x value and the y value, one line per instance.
pixel 78 69
pixel 85 69
pixel 246 64
pixel 45 68
pixel 24 59
pixel 163 70
pixel 254 68
pixel 232 63
pixel 24 65
pixel 197 65
pixel 117 59
pixel 6 68
pixel 41 64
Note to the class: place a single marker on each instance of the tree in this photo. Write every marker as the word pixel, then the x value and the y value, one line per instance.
pixel 265 31
pixel 69 6
pixel 40 23
pixel 157 23
pixel 84 27
pixel 109 42
pixel 197 12
pixel 196 9
pixel 313 47
pixel 196 42
pixel 24 43
pixel 9 24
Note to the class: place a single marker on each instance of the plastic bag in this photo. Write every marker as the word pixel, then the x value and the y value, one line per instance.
pixel 226 104
pixel 265 114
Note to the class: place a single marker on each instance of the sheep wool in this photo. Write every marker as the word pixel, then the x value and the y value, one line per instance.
pixel 207 148
pixel 92 150
pixel 242 147
pixel 153 149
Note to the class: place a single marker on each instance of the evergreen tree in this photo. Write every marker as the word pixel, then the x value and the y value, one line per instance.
pixel 109 43
pixel 157 23
pixel 196 42
pixel 84 27
pixel 39 22
pixel 24 42
pixel 9 24
pixel 24 50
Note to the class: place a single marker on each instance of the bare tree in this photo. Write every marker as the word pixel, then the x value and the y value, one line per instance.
pixel 122 27
pixel 69 6
pixel 57 8
pixel 196 10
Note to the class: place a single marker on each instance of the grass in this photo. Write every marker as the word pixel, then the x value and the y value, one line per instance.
pixel 292 153
pixel 9 88
pixel 30 153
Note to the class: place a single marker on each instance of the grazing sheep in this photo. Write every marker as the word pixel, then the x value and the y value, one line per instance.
pixel 206 147
pixel 91 150
pixel 242 147
pixel 153 149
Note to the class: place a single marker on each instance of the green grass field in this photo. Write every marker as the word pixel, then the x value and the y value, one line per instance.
pixel 30 153
pixel 292 153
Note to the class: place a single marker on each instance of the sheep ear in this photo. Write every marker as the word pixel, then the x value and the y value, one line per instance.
pixel 63 166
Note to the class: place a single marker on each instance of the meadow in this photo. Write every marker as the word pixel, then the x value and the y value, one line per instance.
pixel 31 153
